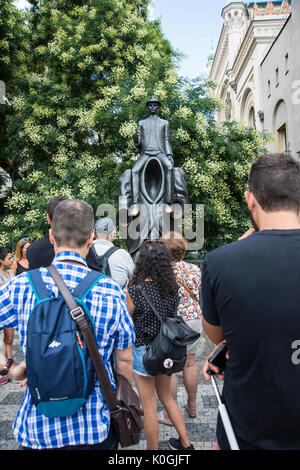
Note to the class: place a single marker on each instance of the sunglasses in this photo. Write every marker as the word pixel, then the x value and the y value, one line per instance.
pixel 26 239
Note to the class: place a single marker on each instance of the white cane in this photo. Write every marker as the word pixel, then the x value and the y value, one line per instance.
pixel 224 416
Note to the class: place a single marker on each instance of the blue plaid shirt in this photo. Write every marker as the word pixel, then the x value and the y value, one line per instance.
pixel 114 330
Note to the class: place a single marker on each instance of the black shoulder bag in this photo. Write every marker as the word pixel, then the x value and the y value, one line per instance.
pixel 167 352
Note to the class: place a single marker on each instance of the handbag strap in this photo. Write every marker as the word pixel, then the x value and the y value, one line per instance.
pixel 78 315
pixel 187 289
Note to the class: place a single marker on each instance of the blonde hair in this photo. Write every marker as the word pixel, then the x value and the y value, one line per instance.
pixel 19 248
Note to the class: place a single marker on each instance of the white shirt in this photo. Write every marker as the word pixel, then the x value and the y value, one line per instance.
pixel 120 263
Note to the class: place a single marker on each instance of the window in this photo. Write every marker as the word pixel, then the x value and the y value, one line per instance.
pixel 277 76
pixel 282 139
pixel 252 122
pixel 286 64
pixel 269 88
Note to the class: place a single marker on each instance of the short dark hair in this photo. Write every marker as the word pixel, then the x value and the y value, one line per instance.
pixel 3 253
pixel 72 223
pixel 275 182
pixel 53 203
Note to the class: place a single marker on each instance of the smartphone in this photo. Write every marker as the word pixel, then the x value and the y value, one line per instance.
pixel 218 358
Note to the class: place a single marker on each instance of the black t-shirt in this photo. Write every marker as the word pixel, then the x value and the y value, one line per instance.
pixel 252 289
pixel 146 324
pixel 41 253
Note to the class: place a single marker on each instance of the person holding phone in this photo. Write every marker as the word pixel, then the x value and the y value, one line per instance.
pixel 251 298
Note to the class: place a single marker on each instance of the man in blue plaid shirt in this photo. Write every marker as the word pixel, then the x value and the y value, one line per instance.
pixel 72 236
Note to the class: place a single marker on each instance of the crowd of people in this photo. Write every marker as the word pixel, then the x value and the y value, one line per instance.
pixel 250 300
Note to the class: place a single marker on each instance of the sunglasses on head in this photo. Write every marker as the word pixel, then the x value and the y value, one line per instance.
pixel 26 240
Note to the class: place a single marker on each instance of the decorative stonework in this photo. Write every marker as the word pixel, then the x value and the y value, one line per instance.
pixel 249 30
pixel 270 10
pixel 285 8
pixel 256 11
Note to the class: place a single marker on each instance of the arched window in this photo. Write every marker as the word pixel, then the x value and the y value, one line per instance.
pixel 251 120
pixel 280 126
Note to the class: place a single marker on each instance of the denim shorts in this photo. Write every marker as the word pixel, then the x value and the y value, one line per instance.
pixel 138 366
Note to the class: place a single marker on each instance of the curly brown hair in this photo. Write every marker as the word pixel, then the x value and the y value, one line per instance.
pixel 154 262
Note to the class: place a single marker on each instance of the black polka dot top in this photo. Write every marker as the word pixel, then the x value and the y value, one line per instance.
pixel 145 322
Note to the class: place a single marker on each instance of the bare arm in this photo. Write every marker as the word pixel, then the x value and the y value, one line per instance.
pixel 124 362
pixel 213 332
pixel 130 304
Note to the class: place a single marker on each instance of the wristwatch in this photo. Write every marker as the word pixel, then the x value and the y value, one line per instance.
pixel 7 366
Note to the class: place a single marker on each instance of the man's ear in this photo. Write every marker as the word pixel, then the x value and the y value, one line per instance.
pixel 51 238
pixel 48 220
pixel 90 240
pixel 250 199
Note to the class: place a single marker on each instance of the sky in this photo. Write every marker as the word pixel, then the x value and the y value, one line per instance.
pixel 192 27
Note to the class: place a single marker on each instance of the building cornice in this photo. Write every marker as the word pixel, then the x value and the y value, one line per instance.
pixel 271 46
pixel 255 34
pixel 219 55
pixel 253 37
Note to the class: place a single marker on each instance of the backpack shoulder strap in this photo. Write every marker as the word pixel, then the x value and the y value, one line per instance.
pixel 110 251
pixel 37 284
pixel 102 260
pixel 87 283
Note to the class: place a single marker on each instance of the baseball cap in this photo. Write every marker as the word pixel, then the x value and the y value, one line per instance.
pixel 104 225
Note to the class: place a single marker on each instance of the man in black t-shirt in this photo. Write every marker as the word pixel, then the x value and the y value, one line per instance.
pixel 41 252
pixel 251 297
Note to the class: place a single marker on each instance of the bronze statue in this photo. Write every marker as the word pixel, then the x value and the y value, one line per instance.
pixel 153 140
pixel 153 188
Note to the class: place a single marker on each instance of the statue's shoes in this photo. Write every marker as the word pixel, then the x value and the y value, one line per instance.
pixel 134 210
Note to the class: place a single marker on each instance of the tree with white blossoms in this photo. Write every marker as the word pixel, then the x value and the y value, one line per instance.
pixel 91 67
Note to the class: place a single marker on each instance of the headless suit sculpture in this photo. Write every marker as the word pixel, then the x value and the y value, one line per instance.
pixel 150 190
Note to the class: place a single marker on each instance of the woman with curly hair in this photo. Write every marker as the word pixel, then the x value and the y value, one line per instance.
pixel 153 272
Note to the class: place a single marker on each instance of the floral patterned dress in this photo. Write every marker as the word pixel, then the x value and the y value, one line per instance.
pixel 190 275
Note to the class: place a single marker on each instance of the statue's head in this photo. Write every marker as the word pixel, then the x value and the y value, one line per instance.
pixel 153 105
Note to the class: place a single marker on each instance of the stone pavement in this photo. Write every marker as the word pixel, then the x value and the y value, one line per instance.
pixel 201 430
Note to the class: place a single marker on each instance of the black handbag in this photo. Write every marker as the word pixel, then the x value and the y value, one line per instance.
pixel 167 352
pixel 124 404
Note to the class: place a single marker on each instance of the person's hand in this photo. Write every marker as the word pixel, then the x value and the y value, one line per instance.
pixel 215 369
pixel 23 383
pixel 249 232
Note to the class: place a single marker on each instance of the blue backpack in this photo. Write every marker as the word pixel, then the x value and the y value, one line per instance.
pixel 60 372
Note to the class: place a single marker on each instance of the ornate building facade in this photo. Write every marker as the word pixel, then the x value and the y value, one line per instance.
pixel 280 75
pixel 255 66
